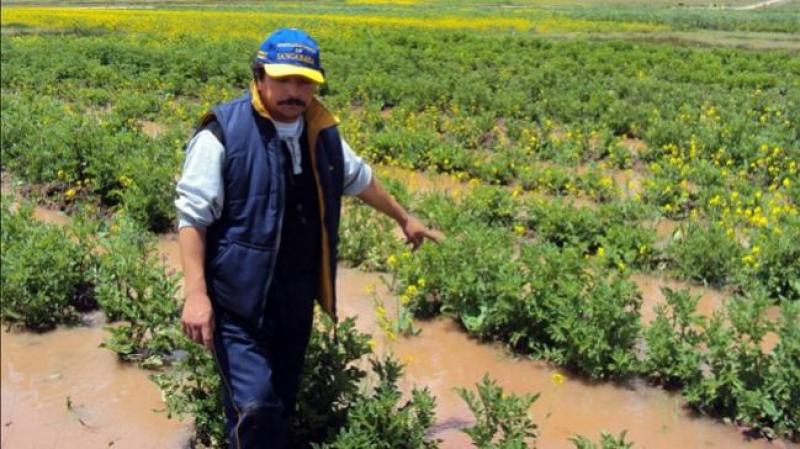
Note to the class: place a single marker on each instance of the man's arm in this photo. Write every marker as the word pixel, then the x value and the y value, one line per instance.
pixel 199 204
pixel 198 316
pixel 416 232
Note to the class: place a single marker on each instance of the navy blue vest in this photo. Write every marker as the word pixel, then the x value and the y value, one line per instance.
pixel 242 245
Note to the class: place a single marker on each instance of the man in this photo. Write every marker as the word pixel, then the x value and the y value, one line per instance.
pixel 258 206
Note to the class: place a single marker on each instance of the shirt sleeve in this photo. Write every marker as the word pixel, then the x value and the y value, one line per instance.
pixel 200 189
pixel 357 173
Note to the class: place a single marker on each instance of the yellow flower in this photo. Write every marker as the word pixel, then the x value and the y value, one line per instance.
pixel 391 261
pixel 60 174
pixel 601 252
pixel 70 193
pixel 125 181
pixel 557 378
pixel 786 182
pixel 411 290
pixel 421 282
pixel 519 230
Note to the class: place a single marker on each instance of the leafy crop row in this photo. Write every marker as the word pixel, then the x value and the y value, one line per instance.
pixel 341 405
pixel 562 292
pixel 642 132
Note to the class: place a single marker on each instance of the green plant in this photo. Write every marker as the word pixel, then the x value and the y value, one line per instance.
pixel 402 323
pixel 705 254
pixel 607 441
pixel 134 289
pixel 773 262
pixel 146 173
pixel 366 238
pixel 594 323
pixel 492 205
pixel 781 412
pixel 331 380
pixel 740 380
pixel 46 275
pixel 673 340
pixel 379 420
pixel 502 421
pixel 191 387
pixel 564 225
pixel 628 245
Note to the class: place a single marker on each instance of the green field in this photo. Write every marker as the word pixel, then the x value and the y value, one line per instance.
pixel 570 133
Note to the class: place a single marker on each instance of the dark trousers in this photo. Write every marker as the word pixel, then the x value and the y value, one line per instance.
pixel 261 367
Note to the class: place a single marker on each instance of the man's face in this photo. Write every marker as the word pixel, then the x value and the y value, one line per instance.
pixel 286 98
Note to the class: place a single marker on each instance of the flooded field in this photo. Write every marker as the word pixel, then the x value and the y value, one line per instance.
pixel 115 405
pixel 442 357
pixel 61 390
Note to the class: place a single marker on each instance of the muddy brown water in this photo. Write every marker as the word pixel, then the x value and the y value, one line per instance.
pixel 442 357
pixel 711 300
pixel 113 404
pixel 650 287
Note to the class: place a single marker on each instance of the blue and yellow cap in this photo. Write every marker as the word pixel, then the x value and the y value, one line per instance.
pixel 289 51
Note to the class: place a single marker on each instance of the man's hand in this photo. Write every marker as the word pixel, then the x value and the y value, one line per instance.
pixel 198 319
pixel 416 232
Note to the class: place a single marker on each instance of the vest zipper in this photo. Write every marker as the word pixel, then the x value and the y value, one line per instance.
pixel 282 206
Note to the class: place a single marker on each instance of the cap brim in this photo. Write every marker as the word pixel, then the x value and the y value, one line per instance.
pixel 281 70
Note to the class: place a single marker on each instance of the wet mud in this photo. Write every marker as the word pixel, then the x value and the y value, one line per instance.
pixel 61 390
pixel 711 300
pixel 442 358
pixel 112 405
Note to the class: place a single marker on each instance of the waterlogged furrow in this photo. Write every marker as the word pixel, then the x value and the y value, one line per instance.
pixel 559 289
pixel 442 356
pixel 429 365
pixel 81 394
pixel 529 129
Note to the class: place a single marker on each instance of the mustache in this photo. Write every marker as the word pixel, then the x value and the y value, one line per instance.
pixel 293 101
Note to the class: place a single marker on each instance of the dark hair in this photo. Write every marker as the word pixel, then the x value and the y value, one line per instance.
pixel 257 68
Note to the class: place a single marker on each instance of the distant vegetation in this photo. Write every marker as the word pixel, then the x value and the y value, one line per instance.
pixel 568 150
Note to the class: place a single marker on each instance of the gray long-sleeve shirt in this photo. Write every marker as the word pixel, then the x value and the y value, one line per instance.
pixel 201 189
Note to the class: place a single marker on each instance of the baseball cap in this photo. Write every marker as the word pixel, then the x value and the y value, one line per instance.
pixel 290 51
